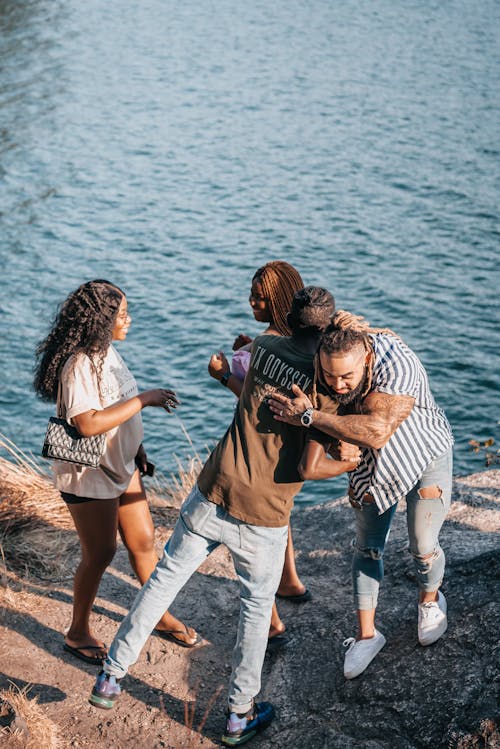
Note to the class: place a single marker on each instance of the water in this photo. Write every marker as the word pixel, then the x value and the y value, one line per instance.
pixel 175 147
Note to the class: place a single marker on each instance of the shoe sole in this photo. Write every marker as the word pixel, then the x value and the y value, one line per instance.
pixel 102 702
pixel 425 643
pixel 236 741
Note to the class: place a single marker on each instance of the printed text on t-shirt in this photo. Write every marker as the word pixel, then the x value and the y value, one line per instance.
pixel 280 372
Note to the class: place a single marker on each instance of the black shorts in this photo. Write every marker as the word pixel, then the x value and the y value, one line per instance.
pixel 72 499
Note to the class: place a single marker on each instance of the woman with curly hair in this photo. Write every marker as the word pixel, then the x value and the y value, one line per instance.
pixel 271 294
pixel 79 369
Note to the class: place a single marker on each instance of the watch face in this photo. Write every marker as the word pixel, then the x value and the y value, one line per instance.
pixel 306 418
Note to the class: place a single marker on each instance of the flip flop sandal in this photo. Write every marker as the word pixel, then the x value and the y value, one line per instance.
pixel 171 636
pixel 277 642
pixel 300 598
pixel 96 660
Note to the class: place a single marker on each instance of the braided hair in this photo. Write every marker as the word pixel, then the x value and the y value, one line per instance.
pixel 279 282
pixel 84 324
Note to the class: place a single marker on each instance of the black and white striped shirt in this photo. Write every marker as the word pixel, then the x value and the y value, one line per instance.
pixel 390 473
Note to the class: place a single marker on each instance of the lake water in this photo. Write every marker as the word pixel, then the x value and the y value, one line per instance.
pixel 173 148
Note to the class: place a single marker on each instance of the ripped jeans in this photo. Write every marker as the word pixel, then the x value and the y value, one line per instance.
pixel 424 519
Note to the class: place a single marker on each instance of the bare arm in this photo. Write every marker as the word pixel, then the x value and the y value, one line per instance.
pixel 218 366
pixel 90 423
pixel 315 463
pixel 382 415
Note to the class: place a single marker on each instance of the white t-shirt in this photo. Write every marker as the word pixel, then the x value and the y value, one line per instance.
pixel 80 393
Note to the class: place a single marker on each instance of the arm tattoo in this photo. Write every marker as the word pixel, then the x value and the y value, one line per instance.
pixel 381 415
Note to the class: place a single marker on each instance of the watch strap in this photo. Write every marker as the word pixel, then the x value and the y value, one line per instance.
pixel 225 377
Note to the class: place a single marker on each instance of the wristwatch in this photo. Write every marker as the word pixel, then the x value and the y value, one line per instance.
pixel 225 377
pixel 307 417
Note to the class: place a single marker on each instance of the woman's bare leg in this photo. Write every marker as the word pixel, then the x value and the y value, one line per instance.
pixel 290 584
pixel 96 523
pixel 136 528
pixel 277 627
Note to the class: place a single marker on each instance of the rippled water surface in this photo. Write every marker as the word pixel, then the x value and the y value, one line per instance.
pixel 175 147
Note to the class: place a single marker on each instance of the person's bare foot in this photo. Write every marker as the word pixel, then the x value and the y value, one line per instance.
pixel 275 631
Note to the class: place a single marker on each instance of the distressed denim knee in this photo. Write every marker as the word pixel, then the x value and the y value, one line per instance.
pixel 367 574
pixel 427 506
pixel 372 532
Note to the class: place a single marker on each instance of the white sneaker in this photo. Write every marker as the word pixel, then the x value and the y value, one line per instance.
pixel 360 653
pixel 432 620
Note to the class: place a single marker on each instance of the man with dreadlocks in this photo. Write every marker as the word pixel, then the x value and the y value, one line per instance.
pixel 243 499
pixel 385 407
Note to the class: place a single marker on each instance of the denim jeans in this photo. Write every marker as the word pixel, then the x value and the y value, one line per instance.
pixel 424 520
pixel 258 554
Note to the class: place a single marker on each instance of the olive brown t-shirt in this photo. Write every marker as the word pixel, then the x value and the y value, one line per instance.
pixel 253 471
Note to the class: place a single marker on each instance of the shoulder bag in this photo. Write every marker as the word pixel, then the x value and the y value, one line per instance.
pixel 64 442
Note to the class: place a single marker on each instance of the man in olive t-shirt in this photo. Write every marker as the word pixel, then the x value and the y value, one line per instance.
pixel 253 471
pixel 243 499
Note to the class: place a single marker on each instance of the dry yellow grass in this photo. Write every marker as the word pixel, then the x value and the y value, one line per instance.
pixel 27 494
pixel 37 535
pixel 36 530
pixel 32 729
pixel 171 491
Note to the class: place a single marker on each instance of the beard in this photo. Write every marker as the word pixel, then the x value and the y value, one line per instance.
pixel 343 399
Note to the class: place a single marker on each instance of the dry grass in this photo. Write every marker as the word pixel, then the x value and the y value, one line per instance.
pixel 27 494
pixel 36 530
pixel 32 730
pixel 172 490
pixel 37 536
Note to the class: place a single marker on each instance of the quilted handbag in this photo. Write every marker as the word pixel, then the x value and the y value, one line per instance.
pixel 64 442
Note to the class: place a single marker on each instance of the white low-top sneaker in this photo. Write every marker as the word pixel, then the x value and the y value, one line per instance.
pixel 360 653
pixel 432 620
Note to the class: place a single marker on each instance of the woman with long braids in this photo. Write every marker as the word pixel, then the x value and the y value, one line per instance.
pixel 271 294
pixel 386 407
pixel 79 369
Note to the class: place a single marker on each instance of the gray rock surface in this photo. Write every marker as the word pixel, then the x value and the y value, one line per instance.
pixel 410 697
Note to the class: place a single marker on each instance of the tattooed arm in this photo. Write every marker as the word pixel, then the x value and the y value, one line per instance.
pixel 382 415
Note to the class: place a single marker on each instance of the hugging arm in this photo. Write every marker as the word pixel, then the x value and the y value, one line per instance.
pixel 219 366
pixel 382 415
pixel 316 464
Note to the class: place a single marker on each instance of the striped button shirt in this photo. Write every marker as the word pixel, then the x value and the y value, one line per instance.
pixel 390 473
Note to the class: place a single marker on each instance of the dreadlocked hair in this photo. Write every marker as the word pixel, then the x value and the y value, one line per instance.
pixel 345 332
pixel 279 282
pixel 84 324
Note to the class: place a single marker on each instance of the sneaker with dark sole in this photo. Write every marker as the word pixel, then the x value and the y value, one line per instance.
pixel 242 728
pixel 105 692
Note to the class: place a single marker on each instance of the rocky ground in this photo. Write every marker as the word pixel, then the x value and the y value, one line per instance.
pixel 444 696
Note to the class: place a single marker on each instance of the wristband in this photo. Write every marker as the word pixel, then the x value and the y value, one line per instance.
pixel 225 377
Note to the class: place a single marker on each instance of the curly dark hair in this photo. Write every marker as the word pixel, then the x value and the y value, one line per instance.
pixel 83 324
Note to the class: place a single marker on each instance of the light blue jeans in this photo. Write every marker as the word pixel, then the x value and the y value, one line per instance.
pixel 258 554
pixel 424 519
